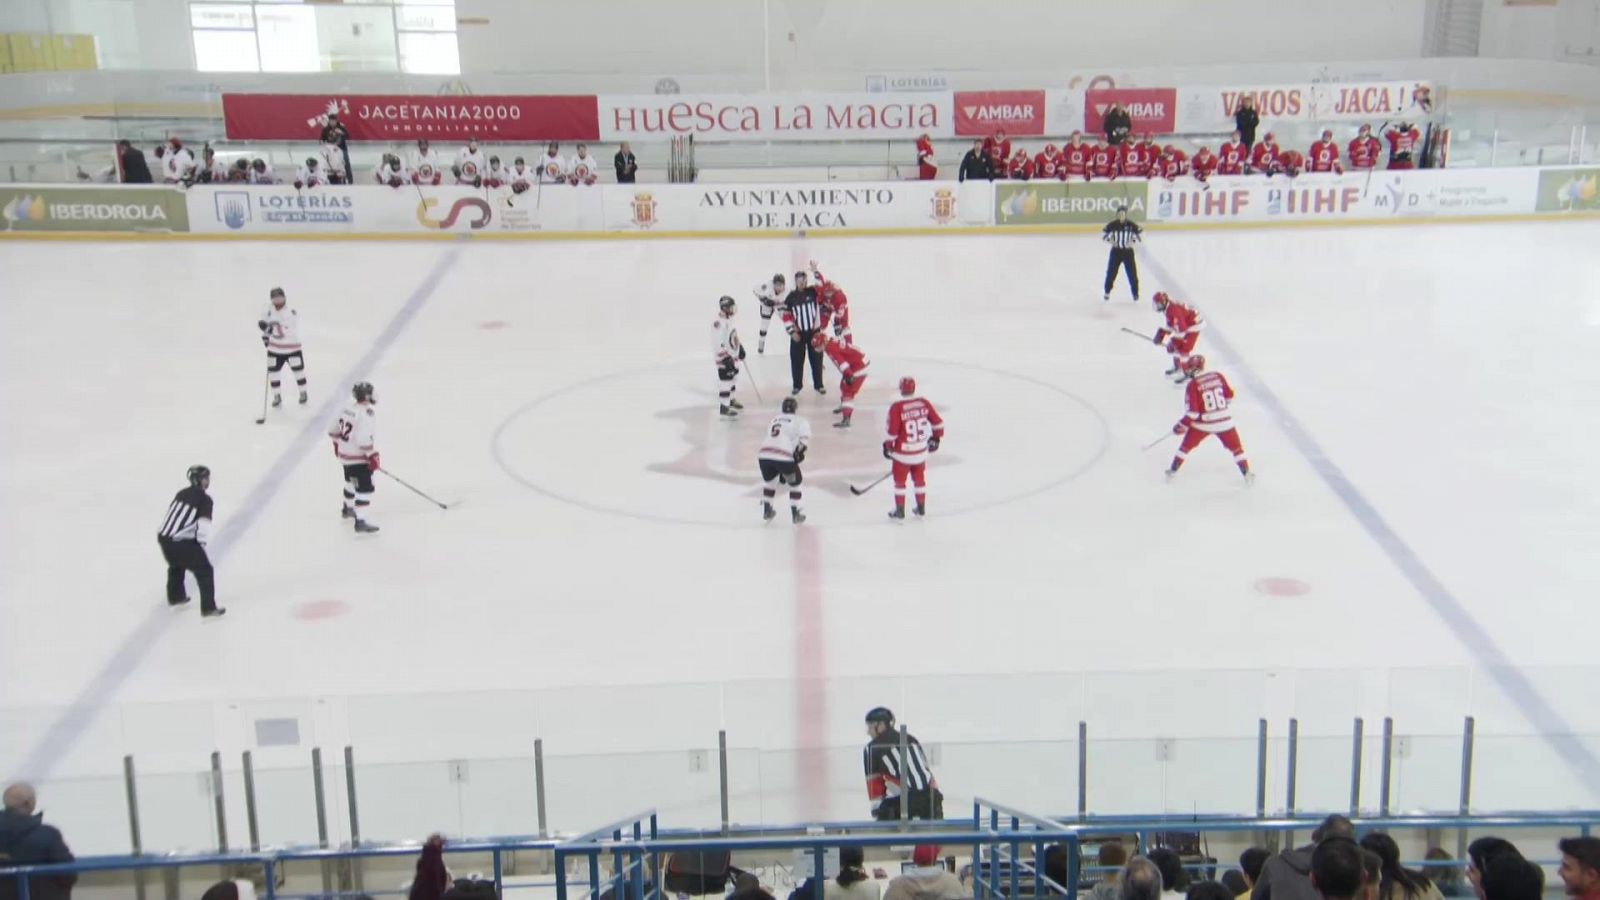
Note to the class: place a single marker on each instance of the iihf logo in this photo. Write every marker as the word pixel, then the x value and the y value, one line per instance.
pixel 233 208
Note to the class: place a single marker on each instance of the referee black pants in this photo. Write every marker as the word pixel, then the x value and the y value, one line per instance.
pixel 799 350
pixel 188 556
pixel 1122 256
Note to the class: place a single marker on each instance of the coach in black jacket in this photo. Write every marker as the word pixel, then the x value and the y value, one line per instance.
pixel 1245 121
pixel 26 840
pixel 975 165
pixel 134 168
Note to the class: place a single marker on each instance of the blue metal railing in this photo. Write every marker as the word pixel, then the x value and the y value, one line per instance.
pixel 995 832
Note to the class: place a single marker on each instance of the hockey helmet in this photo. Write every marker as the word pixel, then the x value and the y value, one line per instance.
pixel 277 294
pixel 790 406
pixel 363 392
pixel 908 386
pixel 1269 138
pixel 819 340
pixel 778 280
pixel 881 714
pixel 726 304
pixel 1195 364
pixel 1161 300
pixel 311 162
pixel 197 474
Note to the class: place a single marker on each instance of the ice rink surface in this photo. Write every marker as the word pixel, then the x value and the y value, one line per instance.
pixel 1419 403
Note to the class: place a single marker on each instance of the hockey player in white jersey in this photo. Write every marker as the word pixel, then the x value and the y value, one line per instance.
pixel 333 164
pixel 354 443
pixel 392 173
pixel 310 175
pixel 729 353
pixel 426 166
pixel 769 296
pixel 497 176
pixel 783 449
pixel 520 177
pixel 552 168
pixel 280 333
pixel 470 165
pixel 583 169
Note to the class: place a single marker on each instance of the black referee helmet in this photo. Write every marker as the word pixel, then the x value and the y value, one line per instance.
pixel 881 714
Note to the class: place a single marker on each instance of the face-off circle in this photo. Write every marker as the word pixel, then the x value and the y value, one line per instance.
pixel 1282 587
pixel 316 610
pixel 649 444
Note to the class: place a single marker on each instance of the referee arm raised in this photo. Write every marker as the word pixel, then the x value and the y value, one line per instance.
pixel 1121 234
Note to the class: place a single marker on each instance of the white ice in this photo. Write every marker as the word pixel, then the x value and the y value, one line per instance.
pixel 604 529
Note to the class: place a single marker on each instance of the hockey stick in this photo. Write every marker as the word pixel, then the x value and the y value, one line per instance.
pixel 1140 335
pixel 1152 444
pixel 413 490
pixel 753 386
pixel 263 419
pixel 858 491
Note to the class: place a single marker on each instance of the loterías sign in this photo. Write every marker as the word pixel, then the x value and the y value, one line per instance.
pixel 775 117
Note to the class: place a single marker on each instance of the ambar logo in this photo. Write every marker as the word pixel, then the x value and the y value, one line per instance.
pixel 484 214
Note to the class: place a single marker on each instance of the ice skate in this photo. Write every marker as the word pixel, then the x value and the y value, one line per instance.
pixel 1106 296
pixel 364 527
pixel 345 512
pixel 897 513
pixel 1171 474
pixel 920 510
pixel 735 404
pixel 303 398
pixel 277 400
pixel 795 392
pixel 842 423
pixel 798 516
pixel 729 412
pixel 822 391
pixel 176 603
pixel 217 613
pixel 1249 479
pixel 767 512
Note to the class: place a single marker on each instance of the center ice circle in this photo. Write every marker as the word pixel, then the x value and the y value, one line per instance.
pixel 648 443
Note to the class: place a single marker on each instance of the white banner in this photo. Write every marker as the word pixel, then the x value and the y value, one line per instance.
pixel 1202 109
pixel 372 209
pixel 834 206
pixel 1063 111
pixel 1387 194
pixel 776 117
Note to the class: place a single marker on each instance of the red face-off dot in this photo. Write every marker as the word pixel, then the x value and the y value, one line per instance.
pixel 494 325
pixel 1282 587
pixel 314 610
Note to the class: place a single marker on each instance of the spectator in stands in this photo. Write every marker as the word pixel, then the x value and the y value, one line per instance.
pixel 1056 858
pixel 748 887
pixel 1209 890
pixel 1580 867
pixel 1398 883
pixel 927 166
pixel 852 882
pixel 1287 876
pixel 929 880
pixel 432 878
pixel 232 889
pixel 1336 871
pixel 26 840
pixel 1371 874
pixel 1510 878
pixel 1482 852
pixel 627 166
pixel 1174 881
pixel 130 160
pixel 1141 880
pixel 1236 883
pixel 1109 887
pixel 1442 870
pixel 975 165
pixel 1117 124
pixel 1245 121
pixel 1250 863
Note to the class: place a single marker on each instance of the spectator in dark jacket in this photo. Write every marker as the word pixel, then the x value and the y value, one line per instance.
pixel 433 879
pixel 134 168
pixel 975 165
pixel 1287 876
pixel 26 840
pixel 627 166
pixel 748 887
pixel 1509 878
pixel 1245 120
pixel 1336 869
pixel 1117 124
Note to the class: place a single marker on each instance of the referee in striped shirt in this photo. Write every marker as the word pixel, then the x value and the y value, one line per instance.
pixel 1121 234
pixel 803 319
pixel 183 536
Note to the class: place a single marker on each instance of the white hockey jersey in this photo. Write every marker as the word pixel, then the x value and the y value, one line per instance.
pixel 470 165
pixel 386 175
pixel 786 434
pixel 332 161
pixel 520 178
pixel 265 176
pixel 725 340
pixel 767 297
pixel 552 169
pixel 283 329
pixel 354 433
pixel 426 164
pixel 310 177
pixel 178 165
pixel 584 169
pixel 497 174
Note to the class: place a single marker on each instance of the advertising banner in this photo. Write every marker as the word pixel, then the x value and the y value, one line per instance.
pixel 1399 194
pixel 982 113
pixel 1066 203
pixel 1212 108
pixel 1569 190
pixel 1063 111
pixel 402 117
pixel 775 117
pixel 788 207
pixel 1152 109
pixel 63 208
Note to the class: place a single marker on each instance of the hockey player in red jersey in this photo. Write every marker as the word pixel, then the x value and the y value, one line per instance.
pixel 1206 401
pixel 1232 156
pixel 1325 154
pixel 1172 163
pixel 1204 164
pixel 1290 163
pixel 852 365
pixel 835 305
pixel 1021 166
pixel 914 431
pixel 1181 332
pixel 1137 159
pixel 1404 140
pixel 1103 163
pixel 1264 158
pixel 1365 150
pixel 927 166
pixel 997 148
pixel 1047 163
pixel 1075 157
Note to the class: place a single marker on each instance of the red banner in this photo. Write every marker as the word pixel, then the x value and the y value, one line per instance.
pixel 1152 109
pixel 401 117
pixel 982 113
